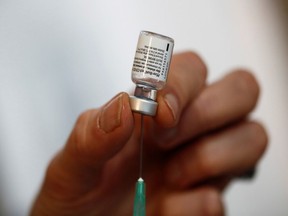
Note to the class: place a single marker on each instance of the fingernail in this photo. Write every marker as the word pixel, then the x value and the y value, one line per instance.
pixel 110 117
pixel 172 103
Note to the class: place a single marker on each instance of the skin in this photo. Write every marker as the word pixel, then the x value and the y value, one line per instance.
pixel 200 139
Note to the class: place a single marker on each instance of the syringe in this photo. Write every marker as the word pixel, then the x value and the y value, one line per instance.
pixel 140 197
pixel 149 73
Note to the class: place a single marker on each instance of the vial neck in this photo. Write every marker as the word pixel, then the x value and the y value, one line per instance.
pixel 146 92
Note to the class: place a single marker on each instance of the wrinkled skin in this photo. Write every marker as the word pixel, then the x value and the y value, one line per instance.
pixel 200 140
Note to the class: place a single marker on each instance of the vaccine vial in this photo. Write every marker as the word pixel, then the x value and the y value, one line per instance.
pixel 150 70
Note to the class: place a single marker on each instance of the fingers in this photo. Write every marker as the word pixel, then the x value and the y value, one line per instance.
pixel 186 79
pixel 97 136
pixel 219 104
pixel 227 100
pixel 229 152
pixel 203 201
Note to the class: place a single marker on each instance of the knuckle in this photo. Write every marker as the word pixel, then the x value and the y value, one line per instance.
pixel 82 121
pixel 54 179
pixel 214 205
pixel 83 117
pixel 80 134
pixel 207 164
pixel 50 171
pixel 188 75
pixel 197 62
pixel 192 61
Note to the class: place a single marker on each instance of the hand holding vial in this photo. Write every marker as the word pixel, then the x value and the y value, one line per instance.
pixel 198 142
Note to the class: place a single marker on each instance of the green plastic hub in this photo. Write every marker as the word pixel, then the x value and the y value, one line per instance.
pixel 140 199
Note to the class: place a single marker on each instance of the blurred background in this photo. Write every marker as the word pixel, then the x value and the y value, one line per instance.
pixel 59 58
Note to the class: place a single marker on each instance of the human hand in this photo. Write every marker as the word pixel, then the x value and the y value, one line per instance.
pixel 198 142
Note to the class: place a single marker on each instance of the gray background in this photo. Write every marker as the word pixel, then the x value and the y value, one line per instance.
pixel 61 57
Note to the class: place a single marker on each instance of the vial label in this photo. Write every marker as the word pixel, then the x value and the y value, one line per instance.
pixel 152 58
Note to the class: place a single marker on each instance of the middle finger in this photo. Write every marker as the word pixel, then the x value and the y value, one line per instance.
pixel 219 104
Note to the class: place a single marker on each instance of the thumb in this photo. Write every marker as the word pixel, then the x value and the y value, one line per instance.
pixel 97 136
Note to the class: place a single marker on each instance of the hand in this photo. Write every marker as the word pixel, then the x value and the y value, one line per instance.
pixel 199 141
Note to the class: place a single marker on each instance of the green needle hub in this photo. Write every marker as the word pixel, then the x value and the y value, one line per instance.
pixel 140 199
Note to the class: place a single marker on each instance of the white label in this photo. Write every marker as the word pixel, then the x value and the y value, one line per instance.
pixel 152 57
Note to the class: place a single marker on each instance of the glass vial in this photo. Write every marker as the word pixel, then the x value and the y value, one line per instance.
pixel 150 70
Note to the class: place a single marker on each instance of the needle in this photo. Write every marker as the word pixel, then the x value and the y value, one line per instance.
pixel 141 148
pixel 140 199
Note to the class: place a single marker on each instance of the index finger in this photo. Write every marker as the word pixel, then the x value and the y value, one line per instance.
pixel 186 79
